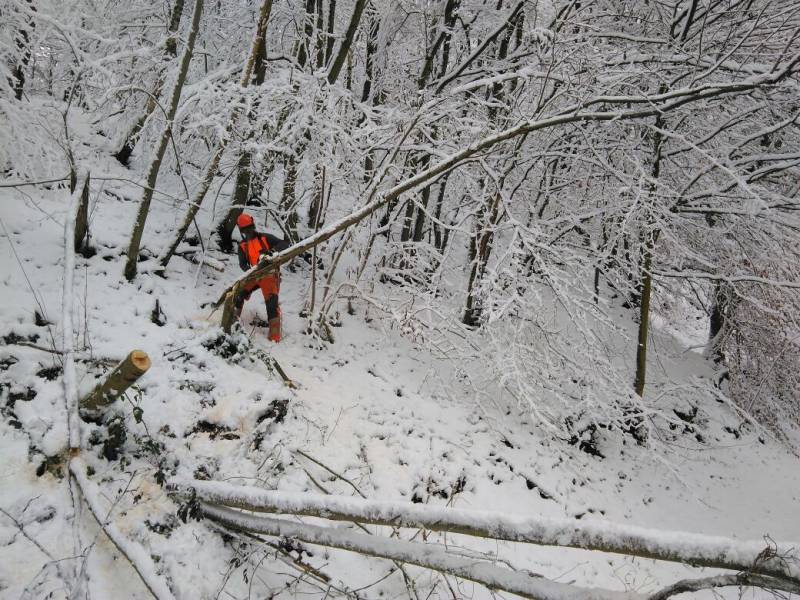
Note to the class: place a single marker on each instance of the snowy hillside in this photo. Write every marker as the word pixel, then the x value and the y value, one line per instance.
pixel 390 299
pixel 373 414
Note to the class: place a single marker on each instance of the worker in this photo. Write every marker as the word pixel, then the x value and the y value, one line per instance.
pixel 252 248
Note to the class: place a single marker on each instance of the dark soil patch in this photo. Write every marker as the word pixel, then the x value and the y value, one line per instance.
pixel 214 431
pixel 276 411
pixel 49 373
pixel 15 338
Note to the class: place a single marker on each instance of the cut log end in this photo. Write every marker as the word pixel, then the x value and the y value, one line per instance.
pixel 122 377
pixel 140 361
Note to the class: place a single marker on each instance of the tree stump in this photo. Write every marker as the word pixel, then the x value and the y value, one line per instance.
pixel 123 376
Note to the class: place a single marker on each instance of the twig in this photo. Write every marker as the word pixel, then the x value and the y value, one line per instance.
pixel 331 471
pixel 271 362
pixel 32 540
pixel 27 183
pixel 739 579
pixel 37 347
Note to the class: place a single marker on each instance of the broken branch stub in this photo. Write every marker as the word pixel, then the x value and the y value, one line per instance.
pixel 123 376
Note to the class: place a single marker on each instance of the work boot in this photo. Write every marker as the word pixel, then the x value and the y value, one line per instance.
pixel 275 328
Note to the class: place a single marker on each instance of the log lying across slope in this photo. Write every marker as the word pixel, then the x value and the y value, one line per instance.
pixel 758 557
pixel 428 556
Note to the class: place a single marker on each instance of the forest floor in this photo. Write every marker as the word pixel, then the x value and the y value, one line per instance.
pixel 375 408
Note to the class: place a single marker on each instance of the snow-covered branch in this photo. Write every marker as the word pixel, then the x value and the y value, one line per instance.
pixel 423 555
pixel 137 556
pixel 760 557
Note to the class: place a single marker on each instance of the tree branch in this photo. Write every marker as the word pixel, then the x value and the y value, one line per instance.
pixel 700 550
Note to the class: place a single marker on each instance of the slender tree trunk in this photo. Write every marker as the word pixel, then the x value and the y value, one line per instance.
pixel 319 41
pixel 481 252
pixel 644 318
pixel 23 43
pixel 128 144
pixel 721 304
pixel 367 92
pixel 211 168
pixel 330 40
pixel 482 242
pixel 241 191
pixel 651 236
pixel 315 207
pixel 438 238
pixel 82 217
pixel 288 200
pixel 344 48
pixel 308 32
pixel 155 164
pixel 442 41
pixel 244 172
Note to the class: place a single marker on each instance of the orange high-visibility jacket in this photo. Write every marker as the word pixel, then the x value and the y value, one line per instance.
pixel 252 249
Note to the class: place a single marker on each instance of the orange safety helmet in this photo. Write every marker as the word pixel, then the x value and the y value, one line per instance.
pixel 244 220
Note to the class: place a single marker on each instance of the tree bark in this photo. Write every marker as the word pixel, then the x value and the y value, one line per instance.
pixel 241 190
pixel 23 43
pixel 123 376
pixel 646 278
pixel 344 48
pixel 482 250
pixel 308 31
pixel 155 164
pixel 288 204
pixel 82 217
pixel 330 40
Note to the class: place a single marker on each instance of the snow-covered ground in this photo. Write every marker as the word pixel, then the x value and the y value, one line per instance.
pixel 380 413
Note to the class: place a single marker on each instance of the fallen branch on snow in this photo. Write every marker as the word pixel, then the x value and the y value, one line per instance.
pixel 756 557
pixel 136 555
pixel 738 580
pixel 422 555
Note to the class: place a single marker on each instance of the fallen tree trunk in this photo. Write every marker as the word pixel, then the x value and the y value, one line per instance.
pixel 139 559
pixel 423 555
pixel 123 376
pixel 758 557
pixel 70 379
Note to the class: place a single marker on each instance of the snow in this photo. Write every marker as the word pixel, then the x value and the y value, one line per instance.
pixel 375 407
pixel 680 546
pixel 518 582
pixel 394 418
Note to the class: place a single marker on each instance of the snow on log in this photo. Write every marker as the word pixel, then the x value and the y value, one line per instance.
pixel 422 555
pixel 138 557
pixel 776 560
pixel 123 376
pixel 67 311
